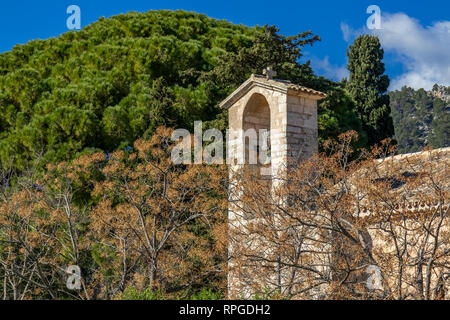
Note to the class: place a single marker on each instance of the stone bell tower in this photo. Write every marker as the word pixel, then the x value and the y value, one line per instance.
pixel 288 112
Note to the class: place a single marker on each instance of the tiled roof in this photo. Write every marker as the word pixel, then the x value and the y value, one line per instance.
pixel 288 85
pixel 284 86
pixel 417 199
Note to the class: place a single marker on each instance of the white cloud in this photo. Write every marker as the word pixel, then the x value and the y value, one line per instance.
pixel 423 51
pixel 346 31
pixel 329 70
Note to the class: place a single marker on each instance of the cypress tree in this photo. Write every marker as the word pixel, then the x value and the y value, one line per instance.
pixel 367 86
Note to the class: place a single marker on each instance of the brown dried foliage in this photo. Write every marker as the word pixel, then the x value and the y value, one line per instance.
pixel 315 232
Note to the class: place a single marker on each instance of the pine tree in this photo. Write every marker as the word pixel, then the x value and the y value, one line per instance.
pixel 367 86
pixel 420 119
pixel 440 126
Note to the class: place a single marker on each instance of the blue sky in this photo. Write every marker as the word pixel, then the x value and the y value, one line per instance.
pixel 415 35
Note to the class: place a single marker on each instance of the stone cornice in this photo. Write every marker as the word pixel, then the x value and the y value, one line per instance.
pixel 282 86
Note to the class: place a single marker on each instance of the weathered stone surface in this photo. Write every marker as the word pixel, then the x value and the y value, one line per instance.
pixel 290 113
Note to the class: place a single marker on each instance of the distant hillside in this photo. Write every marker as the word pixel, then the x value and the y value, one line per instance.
pixel 111 82
pixel 421 118
pixel 441 92
pixel 119 78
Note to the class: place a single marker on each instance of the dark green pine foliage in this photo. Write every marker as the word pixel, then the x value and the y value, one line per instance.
pixel 271 49
pixel 440 125
pixel 111 82
pixel 420 119
pixel 119 78
pixel 367 86
pixel 336 114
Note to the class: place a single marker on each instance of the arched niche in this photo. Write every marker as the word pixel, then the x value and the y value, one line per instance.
pixel 256 126
pixel 256 121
